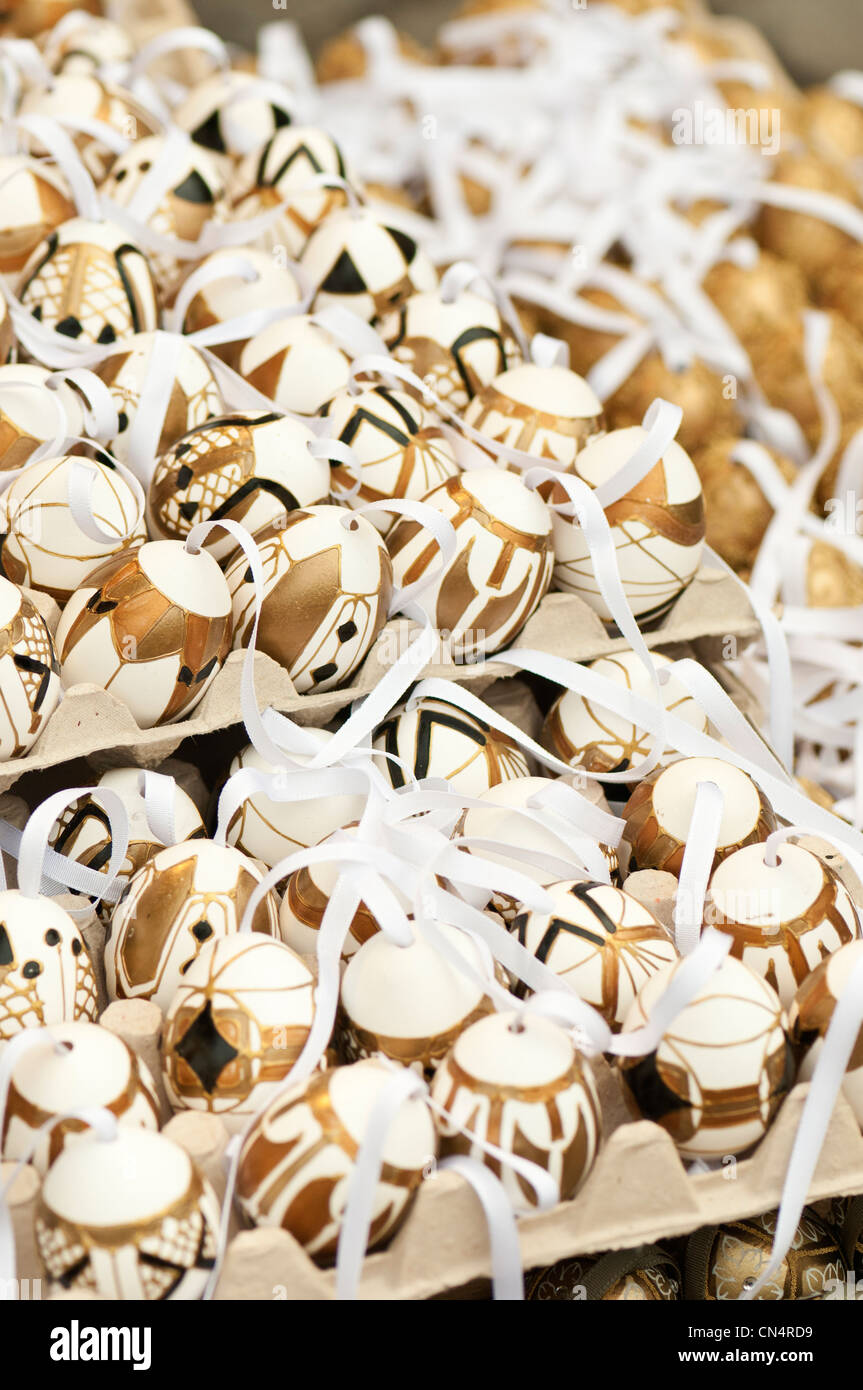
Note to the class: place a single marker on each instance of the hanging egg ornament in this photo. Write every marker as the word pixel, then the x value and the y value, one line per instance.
pixel 234 112
pixel 658 813
pixel 647 1274
pixel 722 1262
pixel 83 831
pixel 501 568
pixel 783 917
pixel 657 527
pixel 29 417
pixel 518 1082
pixel 235 1027
pixel 88 282
pixel 456 345
pixel 192 397
pixel 184 897
pixel 409 1003
pixel 296 363
pixel 45 971
pixel 228 293
pixel 75 1066
pixel 436 739
pixel 586 735
pixel 90 98
pixel 251 468
pixel 152 626
pixel 811 1012
pixel 547 411
pixel 41 543
pixel 29 672
pixel 601 941
pixel 296 1164
pixel 268 829
pixel 498 820
pixel 283 172
pixel 306 897
pixel 722 1068
pixel 327 591
pixel 154 1237
pixel 399 446
pixel 36 199
pixel 356 261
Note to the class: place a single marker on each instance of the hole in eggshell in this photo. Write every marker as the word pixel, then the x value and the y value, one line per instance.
pixel 517 1025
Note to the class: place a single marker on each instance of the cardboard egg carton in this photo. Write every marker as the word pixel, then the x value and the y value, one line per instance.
pixel 91 723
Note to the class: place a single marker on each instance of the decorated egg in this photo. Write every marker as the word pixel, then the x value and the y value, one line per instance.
pixel 88 45
pixel 297 1162
pixel 127 1218
pixel 185 196
pixel 657 527
pixel 7 336
pixel 36 199
pixel 355 260
pixel 501 568
pixel 234 112
pixel 658 813
pixel 436 739
pixel 227 294
pixel 83 831
pixel 192 396
pixel 783 918
pixel 183 897
pixel 76 1066
pixel 153 626
pixel 547 411
pixel 601 941
pixel 810 1014
pixel 267 829
pixel 283 171
pixel 41 543
pixel 409 1003
pixel 296 363
pixel 89 98
pixel 327 590
pixel 456 345
pixel 236 1025
pixel 587 735
pixel 498 820
pixel 29 417
pixel 306 897
pixel 251 468
pixel 645 1275
pixel 518 1082
pixel 88 282
pixel 29 672
pixel 722 1068
pixel 45 972
pixel 399 446
pixel 722 1262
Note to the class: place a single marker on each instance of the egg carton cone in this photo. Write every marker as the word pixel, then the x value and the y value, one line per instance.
pixel 92 723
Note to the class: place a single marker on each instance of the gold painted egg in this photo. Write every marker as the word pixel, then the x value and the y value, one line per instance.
pixel 808 240
pixel 92 98
pixel 356 261
pixel 150 1238
pixel 520 1084
pixel 722 1068
pixel 647 1274
pixel 501 568
pixel 297 1162
pixel 436 739
pixel 36 199
pixel 45 971
pixel 306 897
pixel 810 1014
pixel 229 295
pixel 723 1261
pixel 234 112
pixel 29 672
pixel 193 396
pixel 153 626
pixel 77 1066
pixel 296 363
pixel 183 897
pixel 89 45
pixel 7 335
pixel 658 813
pixel 547 411
pixel 283 171
pixel 327 590
pixel 236 1025
pixel 28 417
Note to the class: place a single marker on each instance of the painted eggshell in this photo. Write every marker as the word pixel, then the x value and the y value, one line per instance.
pixel 45 971
pixel 295 363
pixel 264 284
pixel 456 346
pixel 36 199
pixel 307 894
pixel 91 98
pixel 183 897
pixel 547 411
pixel 284 171
pixel 647 1274
pixel 723 1261
pixel 327 590
pixel 356 261
pixel 234 112
pixel 153 626
pixel 29 672
pixel 810 1014
pixel 192 396
pixel 436 739
pixel 29 417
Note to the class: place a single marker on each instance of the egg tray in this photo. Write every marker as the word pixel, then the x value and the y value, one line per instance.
pixel 91 723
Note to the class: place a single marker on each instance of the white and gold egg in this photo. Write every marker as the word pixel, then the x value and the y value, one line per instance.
pixel 358 262
pixel 192 394
pixel 227 293
pixel 284 172
pixel 455 345
pixel 45 971
pixel 296 363
pixel 35 200
pixel 436 739
pixel 547 411
pixel 29 672
pixel 29 416
pixel 233 112
pixel 811 1013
